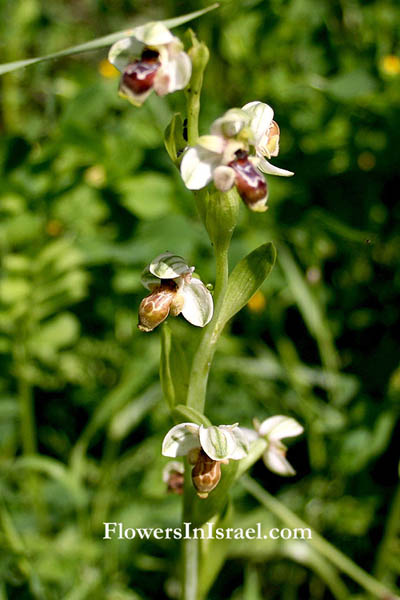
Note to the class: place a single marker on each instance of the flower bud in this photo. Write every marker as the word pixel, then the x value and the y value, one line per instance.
pixel 138 77
pixel 155 308
pixel 206 474
pixel 250 184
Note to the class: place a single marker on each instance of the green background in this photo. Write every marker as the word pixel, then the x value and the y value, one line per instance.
pixel 88 196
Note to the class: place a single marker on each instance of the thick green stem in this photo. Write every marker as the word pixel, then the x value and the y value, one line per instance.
pixel 203 357
pixel 337 558
pixel 190 547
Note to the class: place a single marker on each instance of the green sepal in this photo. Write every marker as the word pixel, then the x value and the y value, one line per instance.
pixel 246 278
pixel 174 370
pixel 173 138
pixel 190 415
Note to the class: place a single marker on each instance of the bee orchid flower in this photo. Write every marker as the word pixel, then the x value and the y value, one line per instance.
pixel 206 448
pixel 234 154
pixel 150 59
pixel 174 290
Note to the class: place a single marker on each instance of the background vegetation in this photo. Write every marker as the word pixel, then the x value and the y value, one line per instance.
pixel 88 196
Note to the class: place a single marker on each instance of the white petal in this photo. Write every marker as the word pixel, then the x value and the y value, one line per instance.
pixel 266 167
pixel 213 143
pixel 198 307
pixel 242 444
pixel 168 266
pixel 277 463
pixel 197 167
pixel 153 34
pixel 261 116
pixel 279 427
pixel 123 52
pixel 180 440
pixel 218 443
pixel 173 74
pixel 224 178
pixel 250 434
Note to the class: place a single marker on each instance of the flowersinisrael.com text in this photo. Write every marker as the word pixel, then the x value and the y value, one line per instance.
pixel 208 531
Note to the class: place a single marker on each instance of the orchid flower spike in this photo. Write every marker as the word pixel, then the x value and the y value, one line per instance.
pixel 273 430
pixel 206 448
pixel 234 154
pixel 174 290
pixel 150 59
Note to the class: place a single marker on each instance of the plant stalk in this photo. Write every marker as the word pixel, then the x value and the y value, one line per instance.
pixel 203 357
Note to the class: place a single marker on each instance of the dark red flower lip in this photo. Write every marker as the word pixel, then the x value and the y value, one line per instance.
pixel 250 183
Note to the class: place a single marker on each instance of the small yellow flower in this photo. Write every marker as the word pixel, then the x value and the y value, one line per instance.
pixel 257 303
pixel 108 70
pixel 95 176
pixel 390 64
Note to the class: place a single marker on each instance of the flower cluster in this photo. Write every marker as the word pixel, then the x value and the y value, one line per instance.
pixel 174 290
pixel 150 59
pixel 236 153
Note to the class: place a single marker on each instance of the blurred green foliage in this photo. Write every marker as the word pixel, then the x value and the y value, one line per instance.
pixel 88 196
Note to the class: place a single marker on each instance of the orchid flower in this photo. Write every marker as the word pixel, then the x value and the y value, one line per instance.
pixel 206 448
pixel 273 430
pixel 173 477
pixel 150 59
pixel 234 154
pixel 174 290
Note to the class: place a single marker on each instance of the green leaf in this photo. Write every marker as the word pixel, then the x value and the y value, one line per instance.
pixel 97 43
pixel 311 310
pixel 191 415
pixel 351 86
pixel 133 413
pixel 148 195
pixel 57 471
pixel 246 278
pixel 173 137
pixel 174 369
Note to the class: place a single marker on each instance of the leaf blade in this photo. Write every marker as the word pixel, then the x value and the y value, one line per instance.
pixel 246 278
pixel 97 43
